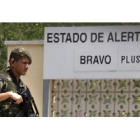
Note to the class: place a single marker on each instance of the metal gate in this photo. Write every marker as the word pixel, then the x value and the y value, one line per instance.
pixel 95 98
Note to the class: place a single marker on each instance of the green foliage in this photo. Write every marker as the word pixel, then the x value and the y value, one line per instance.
pixel 33 31
pixel 3 55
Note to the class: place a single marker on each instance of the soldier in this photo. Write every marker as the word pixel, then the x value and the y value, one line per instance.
pixel 10 82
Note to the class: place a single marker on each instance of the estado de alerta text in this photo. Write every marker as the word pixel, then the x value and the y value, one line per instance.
pixel 99 37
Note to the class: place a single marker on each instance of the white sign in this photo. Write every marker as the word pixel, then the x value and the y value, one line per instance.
pixel 92 52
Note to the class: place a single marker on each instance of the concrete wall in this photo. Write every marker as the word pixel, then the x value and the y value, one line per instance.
pixel 34 76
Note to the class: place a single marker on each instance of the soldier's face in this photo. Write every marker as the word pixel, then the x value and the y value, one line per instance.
pixel 21 66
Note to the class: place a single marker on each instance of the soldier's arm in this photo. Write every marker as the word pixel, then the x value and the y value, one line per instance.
pixel 10 94
pixel 4 96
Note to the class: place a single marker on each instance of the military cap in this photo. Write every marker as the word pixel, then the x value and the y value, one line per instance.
pixel 22 52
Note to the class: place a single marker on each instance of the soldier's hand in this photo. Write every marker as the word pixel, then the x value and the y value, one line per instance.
pixel 16 97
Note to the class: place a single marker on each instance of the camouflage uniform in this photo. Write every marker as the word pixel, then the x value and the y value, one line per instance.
pixel 8 82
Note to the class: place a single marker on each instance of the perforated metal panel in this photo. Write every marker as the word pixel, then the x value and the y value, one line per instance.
pixel 95 98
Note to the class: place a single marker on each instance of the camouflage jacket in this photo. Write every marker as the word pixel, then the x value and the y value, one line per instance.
pixel 8 82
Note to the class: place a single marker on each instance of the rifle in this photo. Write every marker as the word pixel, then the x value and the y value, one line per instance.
pixel 28 106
